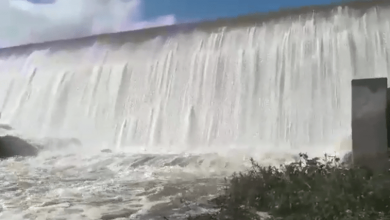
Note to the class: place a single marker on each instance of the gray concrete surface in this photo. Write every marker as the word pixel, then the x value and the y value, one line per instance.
pixel 369 132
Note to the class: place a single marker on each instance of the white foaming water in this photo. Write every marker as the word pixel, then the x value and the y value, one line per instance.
pixel 180 113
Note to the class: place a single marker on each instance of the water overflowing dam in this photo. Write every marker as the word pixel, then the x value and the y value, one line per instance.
pixel 276 82
pixel 257 82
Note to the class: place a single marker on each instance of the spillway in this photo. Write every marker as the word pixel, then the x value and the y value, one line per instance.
pixel 279 82
pixel 251 86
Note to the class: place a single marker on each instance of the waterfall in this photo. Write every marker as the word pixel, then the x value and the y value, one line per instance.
pixel 284 82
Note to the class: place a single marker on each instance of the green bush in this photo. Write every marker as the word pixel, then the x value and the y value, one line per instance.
pixel 309 189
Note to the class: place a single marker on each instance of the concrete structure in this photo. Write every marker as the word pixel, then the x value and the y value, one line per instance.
pixel 281 78
pixel 369 133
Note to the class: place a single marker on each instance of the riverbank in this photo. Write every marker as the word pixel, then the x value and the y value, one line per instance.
pixel 309 189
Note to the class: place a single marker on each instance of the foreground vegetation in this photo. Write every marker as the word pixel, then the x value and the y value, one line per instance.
pixel 310 189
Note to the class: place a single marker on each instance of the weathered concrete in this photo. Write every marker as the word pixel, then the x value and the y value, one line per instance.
pixel 369 135
pixel 388 117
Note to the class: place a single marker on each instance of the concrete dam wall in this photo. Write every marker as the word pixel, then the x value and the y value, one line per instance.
pixel 279 80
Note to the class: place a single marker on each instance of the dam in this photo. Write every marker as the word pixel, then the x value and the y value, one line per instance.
pixel 254 84
pixel 278 81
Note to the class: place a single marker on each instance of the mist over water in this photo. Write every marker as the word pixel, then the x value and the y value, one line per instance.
pixel 264 91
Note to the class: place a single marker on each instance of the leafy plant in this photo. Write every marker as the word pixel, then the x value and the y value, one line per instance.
pixel 308 189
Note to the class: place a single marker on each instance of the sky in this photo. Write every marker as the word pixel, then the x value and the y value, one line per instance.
pixel 29 21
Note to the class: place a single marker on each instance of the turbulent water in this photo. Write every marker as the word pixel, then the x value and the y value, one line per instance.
pixel 179 113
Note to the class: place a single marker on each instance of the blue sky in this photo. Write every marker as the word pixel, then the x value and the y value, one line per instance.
pixel 185 10
pixel 31 21
pixel 190 10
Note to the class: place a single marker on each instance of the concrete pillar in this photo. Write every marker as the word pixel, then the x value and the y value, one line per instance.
pixel 369 132
pixel 388 119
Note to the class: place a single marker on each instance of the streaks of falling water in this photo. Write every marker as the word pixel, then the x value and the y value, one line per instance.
pixel 281 82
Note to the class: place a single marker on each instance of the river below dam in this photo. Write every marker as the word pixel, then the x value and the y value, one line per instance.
pixel 163 121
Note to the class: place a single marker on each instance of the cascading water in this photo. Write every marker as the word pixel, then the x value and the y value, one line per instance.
pixel 282 84
pixel 286 82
